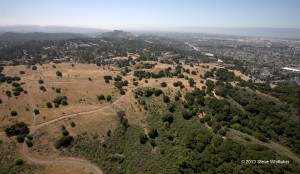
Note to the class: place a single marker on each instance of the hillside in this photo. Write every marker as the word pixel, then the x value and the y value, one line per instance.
pixel 147 117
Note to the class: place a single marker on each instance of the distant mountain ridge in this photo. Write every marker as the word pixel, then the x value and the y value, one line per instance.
pixel 289 33
pixel 20 37
pixel 116 34
pixel 48 29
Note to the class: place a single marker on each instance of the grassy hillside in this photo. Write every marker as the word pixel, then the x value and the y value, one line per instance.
pixel 150 117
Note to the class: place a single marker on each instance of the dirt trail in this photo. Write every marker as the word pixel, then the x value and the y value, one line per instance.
pixel 85 165
pixel 278 148
pixel 79 113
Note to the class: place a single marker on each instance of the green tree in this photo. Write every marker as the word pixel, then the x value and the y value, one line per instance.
pixel 153 133
pixel 143 138
pixel 64 102
pixel 41 81
pixel 166 99
pixel 108 98
pixel 13 113
pixel 64 141
pixel 20 138
pixel 49 105
pixel 163 84
pixel 100 97
pixel 34 67
pixel 58 73
pixel 36 111
pixel 72 124
pixel 168 117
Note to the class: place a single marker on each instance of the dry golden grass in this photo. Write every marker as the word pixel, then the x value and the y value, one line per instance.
pixel 81 93
pixel 74 84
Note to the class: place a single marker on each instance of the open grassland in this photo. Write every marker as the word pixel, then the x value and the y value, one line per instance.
pixel 101 135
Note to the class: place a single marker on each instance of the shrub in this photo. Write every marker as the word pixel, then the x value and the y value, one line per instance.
pixel 168 118
pixel 118 84
pixel 49 105
pixel 152 143
pixel 171 108
pixel 20 138
pixel 108 133
pixel 58 90
pixel 42 88
pixel 100 97
pixel 118 78
pixel 187 114
pixel 143 138
pixel 222 132
pixel 135 83
pixel 36 111
pixel 108 98
pixel 64 141
pixel 8 93
pixel 157 92
pixel 58 73
pixel 19 162
pixel 163 84
pixel 153 133
pixel 13 113
pixel 65 132
pixel 41 81
pixel 64 102
pixel 166 99
pixel 72 124
pixel 125 83
pixel 34 67
pixel 22 72
pixel 122 91
pixel 29 137
pixel 29 143
pixel 108 78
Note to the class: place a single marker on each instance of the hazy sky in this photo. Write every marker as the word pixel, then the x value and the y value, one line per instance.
pixel 143 14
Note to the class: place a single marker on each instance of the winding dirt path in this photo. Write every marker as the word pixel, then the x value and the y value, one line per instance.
pixel 83 164
pixel 278 148
pixel 80 113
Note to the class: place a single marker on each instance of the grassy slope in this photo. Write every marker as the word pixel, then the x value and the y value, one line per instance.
pixel 173 156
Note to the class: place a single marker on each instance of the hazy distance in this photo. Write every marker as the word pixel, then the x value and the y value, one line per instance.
pixel 252 18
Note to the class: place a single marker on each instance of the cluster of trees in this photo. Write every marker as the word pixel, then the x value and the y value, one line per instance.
pixel 59 100
pixel 185 145
pixel 225 75
pixel 148 92
pixel 102 97
pixel 19 128
pixel 17 88
pixel 21 131
pixel 147 65
pixel 285 91
pixel 65 140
